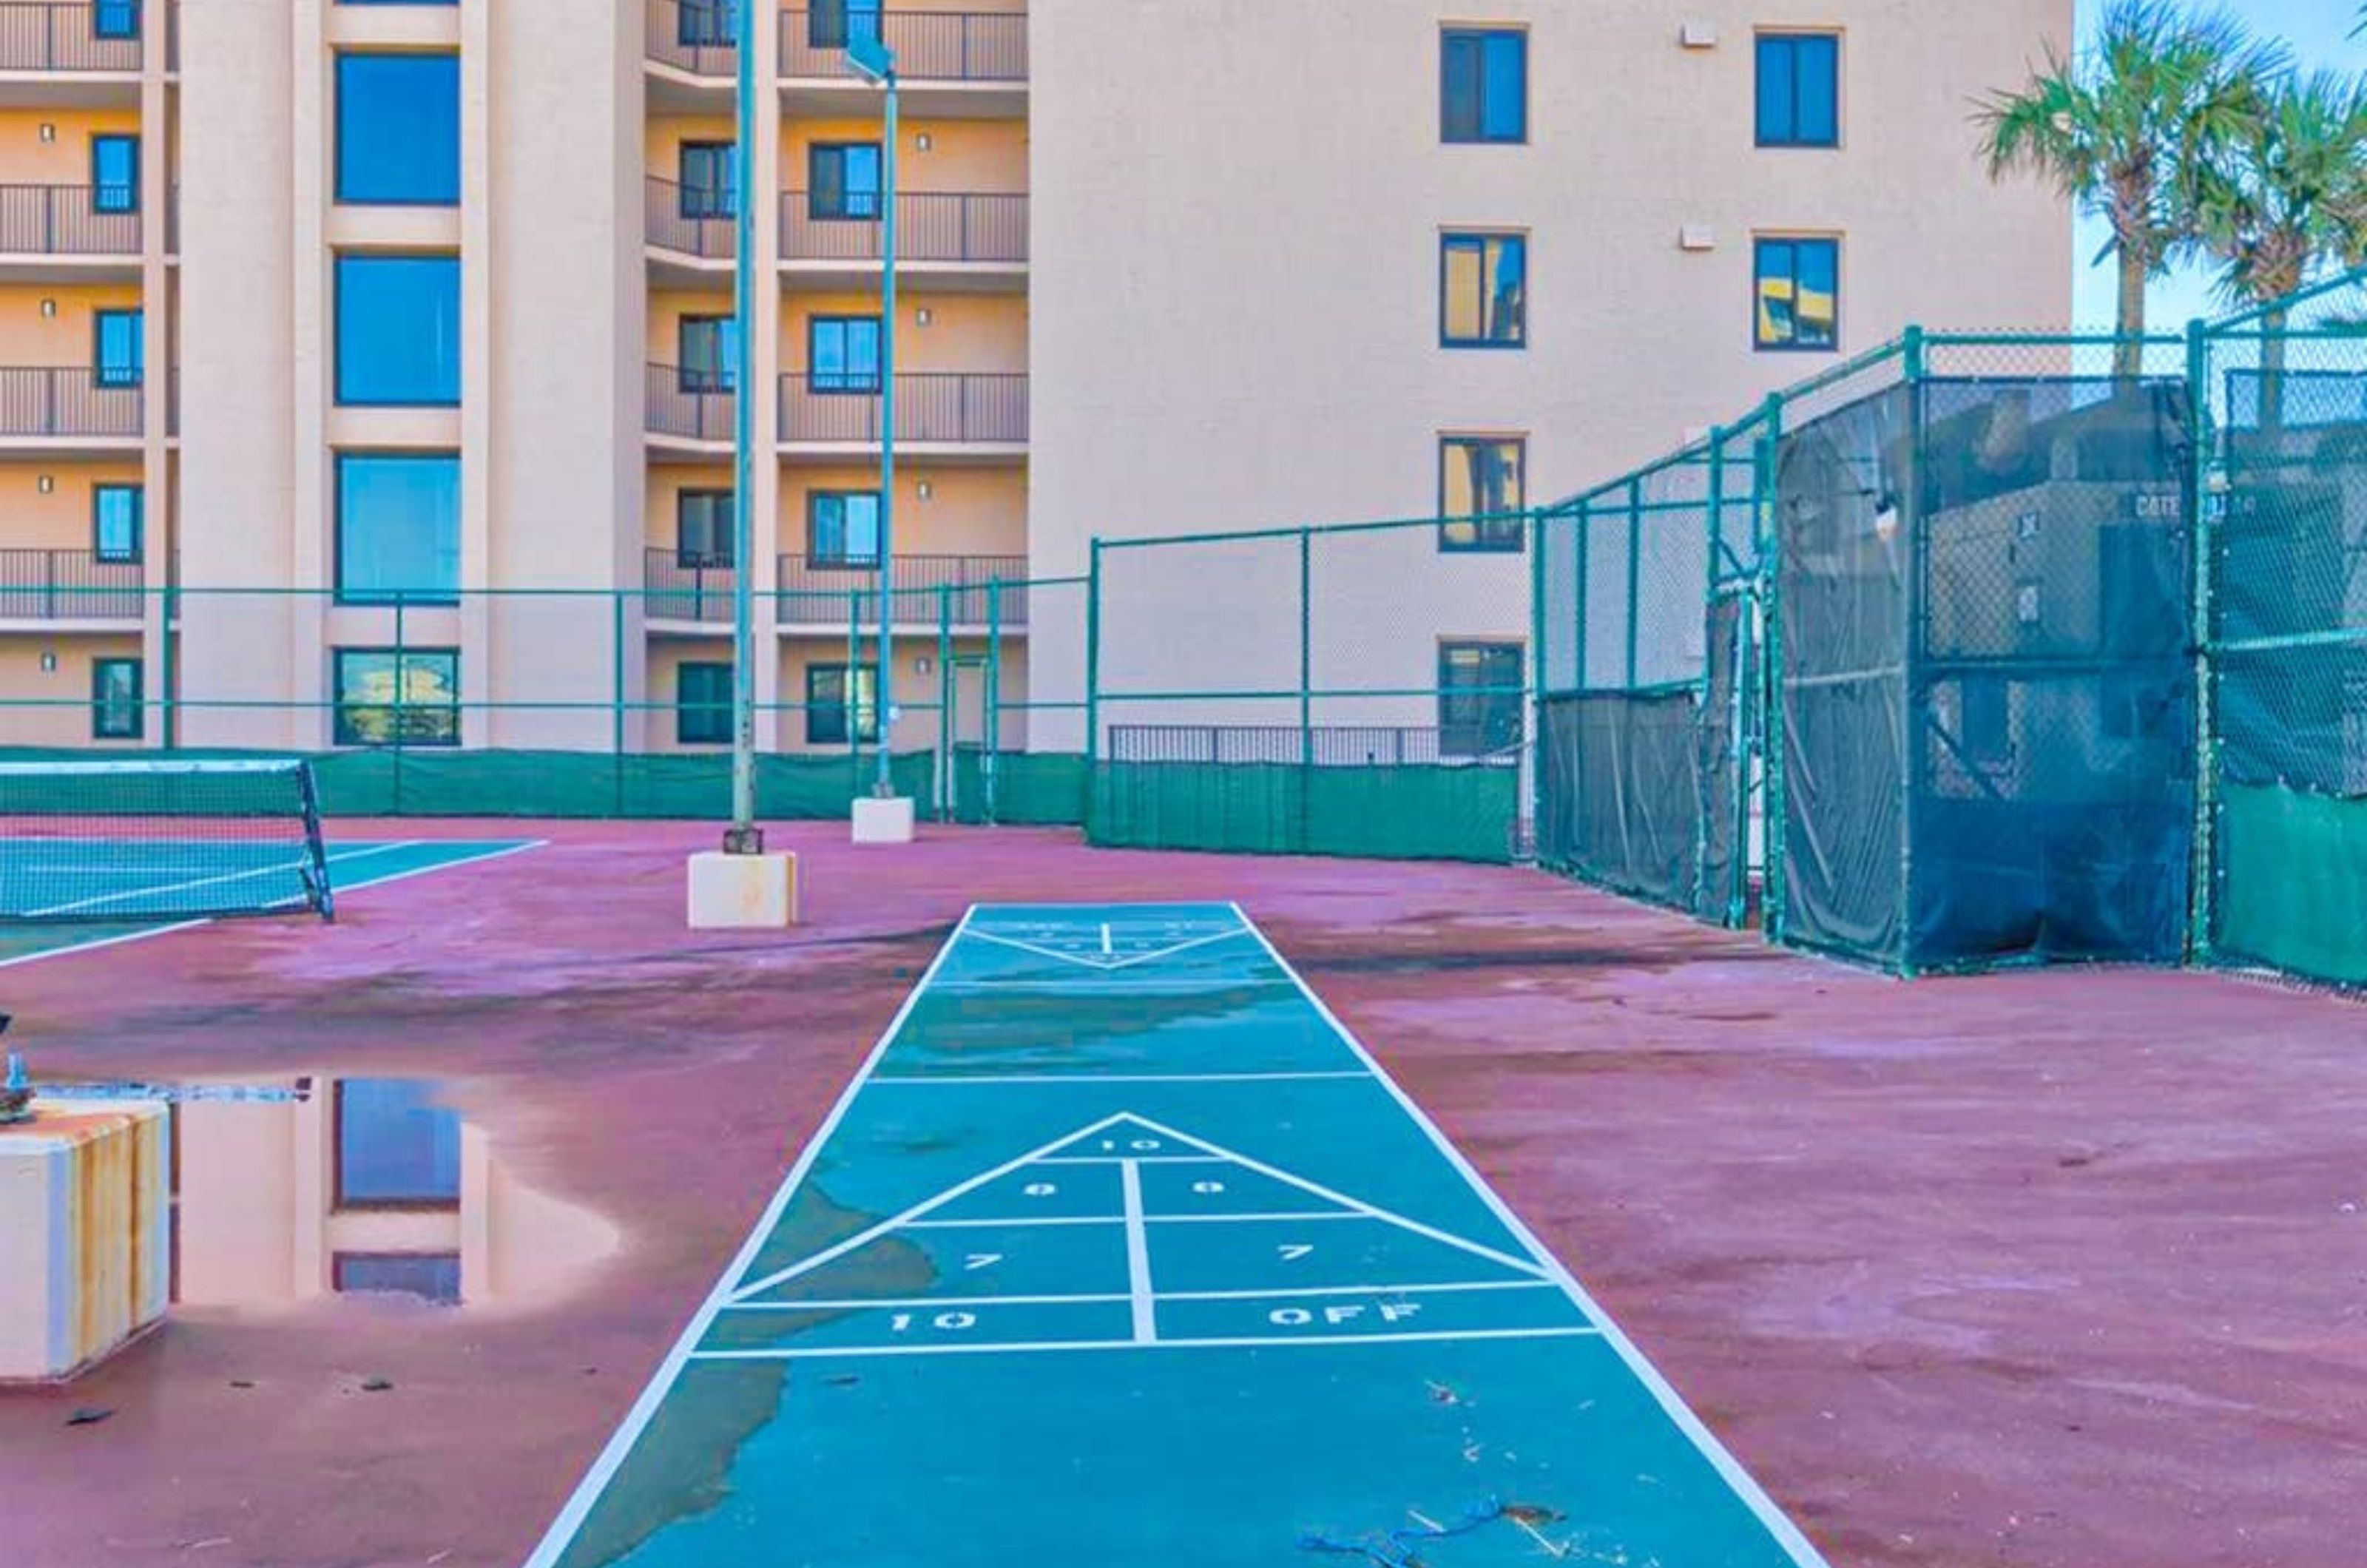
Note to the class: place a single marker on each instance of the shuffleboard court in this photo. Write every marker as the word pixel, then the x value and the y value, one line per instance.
pixel 1121 1248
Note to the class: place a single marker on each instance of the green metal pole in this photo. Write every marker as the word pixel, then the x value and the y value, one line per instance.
pixel 1913 703
pixel 743 837
pixel 990 734
pixel 2202 903
pixel 1305 650
pixel 1093 656
pixel 947 784
pixel 852 709
pixel 1533 747
pixel 164 714
pixel 882 784
pixel 1635 568
pixel 617 702
pixel 1585 552
pixel 1709 602
pixel 1767 524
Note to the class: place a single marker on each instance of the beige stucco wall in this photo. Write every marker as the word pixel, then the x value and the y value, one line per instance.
pixel 938 153
pixel 26 158
pixel 52 708
pixel 60 520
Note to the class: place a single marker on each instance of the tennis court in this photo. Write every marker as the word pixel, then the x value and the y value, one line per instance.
pixel 1120 1244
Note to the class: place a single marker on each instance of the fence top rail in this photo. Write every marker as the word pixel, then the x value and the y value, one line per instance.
pixel 2256 317
pixel 1293 530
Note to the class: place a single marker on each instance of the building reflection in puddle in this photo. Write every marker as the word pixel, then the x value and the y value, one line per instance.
pixel 360 1187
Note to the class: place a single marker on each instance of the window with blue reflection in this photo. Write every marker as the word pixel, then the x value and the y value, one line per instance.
pixel 842 527
pixel 834 24
pixel 396 1147
pixel 398 527
pixel 1796 295
pixel 711 352
pixel 115 173
pixel 1484 85
pixel 844 179
pixel 115 19
pixel 1799 90
pixel 843 353
pixel 119 352
pixel 117 710
pixel 702 527
pixel 399 331
pixel 118 519
pixel 842 704
pixel 399 128
pixel 710 179
pixel 702 708
pixel 708 24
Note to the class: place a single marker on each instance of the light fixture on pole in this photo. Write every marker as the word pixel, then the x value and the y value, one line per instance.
pixel 874 63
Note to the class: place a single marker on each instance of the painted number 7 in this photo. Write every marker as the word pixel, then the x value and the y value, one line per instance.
pixel 1293 1251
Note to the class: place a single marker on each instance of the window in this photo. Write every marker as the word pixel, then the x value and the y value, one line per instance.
pixel 408 699
pixel 119 350
pixel 399 331
pixel 834 24
pixel 1796 299
pixel 1480 492
pixel 116 710
pixel 1483 291
pixel 707 24
pixel 1484 85
pixel 1799 90
pixel 702 705
pixel 115 173
pixel 117 515
pixel 842 527
pixel 702 527
pixel 830 689
pixel 396 1147
pixel 1480 691
pixel 843 179
pixel 430 1277
pixel 710 179
pixel 711 352
pixel 398 529
pixel 115 19
pixel 842 353
pixel 399 129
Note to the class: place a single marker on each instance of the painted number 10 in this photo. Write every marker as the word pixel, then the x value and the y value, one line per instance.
pixel 951 1322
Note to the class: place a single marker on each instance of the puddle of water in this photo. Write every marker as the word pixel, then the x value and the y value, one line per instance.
pixel 374 1189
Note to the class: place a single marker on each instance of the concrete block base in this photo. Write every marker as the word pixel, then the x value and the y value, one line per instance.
pixel 743 892
pixel 883 821
pixel 85 1234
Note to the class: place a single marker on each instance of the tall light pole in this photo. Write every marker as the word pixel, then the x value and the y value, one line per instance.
pixel 743 837
pixel 876 64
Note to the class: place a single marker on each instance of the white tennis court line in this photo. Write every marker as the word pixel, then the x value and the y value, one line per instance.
pixel 1104 964
pixel 1138 1253
pixel 151 890
pixel 1278 1293
pixel 1249 1342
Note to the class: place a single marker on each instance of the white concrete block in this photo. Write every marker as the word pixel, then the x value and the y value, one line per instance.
pixel 86 1237
pixel 883 821
pixel 743 892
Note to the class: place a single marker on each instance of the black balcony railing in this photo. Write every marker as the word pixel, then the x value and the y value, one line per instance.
pixel 947 408
pixel 67 221
pixel 930 226
pixel 69 585
pixel 931 46
pixel 960 589
pixel 67 401
pixel 701 37
pixel 689 220
pixel 686 588
pixel 688 404
pixel 70 35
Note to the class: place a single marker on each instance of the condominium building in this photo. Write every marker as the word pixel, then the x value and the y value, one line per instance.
pixel 333 314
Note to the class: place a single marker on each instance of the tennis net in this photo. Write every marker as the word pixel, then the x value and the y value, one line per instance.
pixel 159 839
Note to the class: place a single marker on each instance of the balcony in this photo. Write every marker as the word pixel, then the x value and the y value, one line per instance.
pixel 973 61
pixel 687 406
pixel 695 44
pixel 62 229
pixel 70 38
pixel 931 409
pixel 946 235
pixel 51 586
pixel 685 588
pixel 834 594
pixel 679 221
pixel 64 403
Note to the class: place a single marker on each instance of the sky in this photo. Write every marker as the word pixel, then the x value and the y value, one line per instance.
pixel 2318 31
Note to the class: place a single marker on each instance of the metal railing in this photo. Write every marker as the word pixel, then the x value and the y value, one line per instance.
pixel 686 588
pixel 955 408
pixel 683 404
pixel 930 226
pixel 64 221
pixel 696 35
pixel 70 585
pixel 931 46
pixel 67 401
pixel 62 35
pixel 674 224
pixel 815 590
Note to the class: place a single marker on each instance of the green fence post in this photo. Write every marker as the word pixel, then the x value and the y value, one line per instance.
pixel 990 735
pixel 1910 672
pixel 1306 647
pixel 1092 661
pixel 946 783
pixel 1635 568
pixel 164 715
pixel 1532 752
pixel 617 702
pixel 1709 609
pixel 850 710
pixel 1769 528
pixel 2202 900
pixel 402 684
pixel 1584 550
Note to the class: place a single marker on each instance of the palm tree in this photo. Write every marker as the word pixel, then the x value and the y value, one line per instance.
pixel 2282 199
pixel 2115 128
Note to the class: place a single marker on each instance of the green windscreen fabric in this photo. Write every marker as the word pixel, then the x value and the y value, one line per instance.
pixel 1384 812
pixel 1623 793
pixel 2294 882
pixel 1037 789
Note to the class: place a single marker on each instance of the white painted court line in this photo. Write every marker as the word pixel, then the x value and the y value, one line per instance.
pixel 628 1432
pixel 151 890
pixel 1309 1342
pixel 1108 964
pixel 956 1079
pixel 1014 1224
pixel 1786 1534
pixel 1279 1294
pixel 923 1303
pixel 1138 1253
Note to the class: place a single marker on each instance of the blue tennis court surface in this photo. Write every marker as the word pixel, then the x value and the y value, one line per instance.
pixel 1120 1250
pixel 95 877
